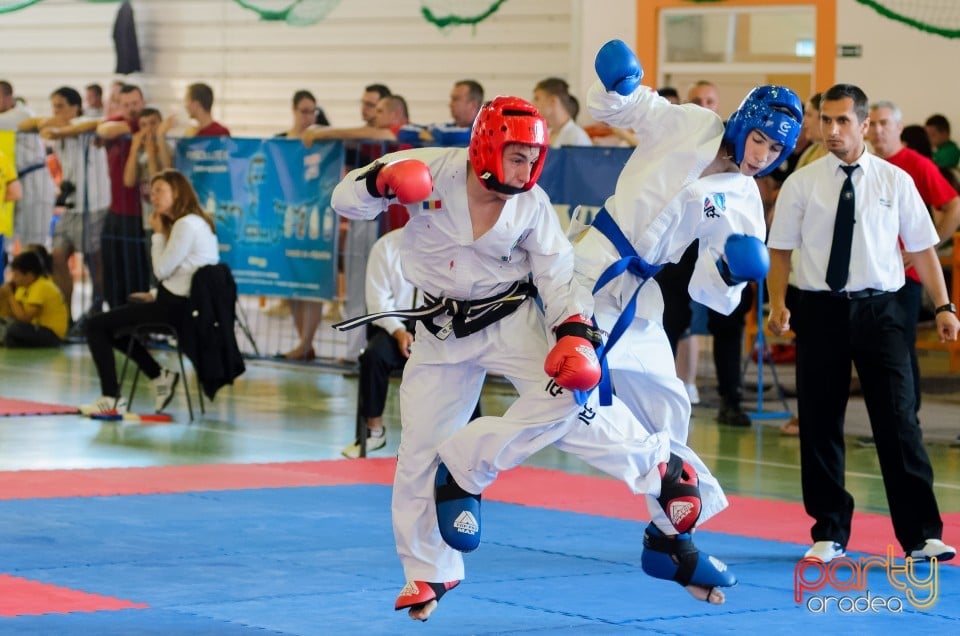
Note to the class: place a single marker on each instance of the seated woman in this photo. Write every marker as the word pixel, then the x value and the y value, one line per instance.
pixel 183 242
pixel 32 311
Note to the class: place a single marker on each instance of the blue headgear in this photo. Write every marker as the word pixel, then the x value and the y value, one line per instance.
pixel 776 111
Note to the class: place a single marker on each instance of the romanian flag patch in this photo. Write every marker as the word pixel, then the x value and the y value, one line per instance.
pixel 434 204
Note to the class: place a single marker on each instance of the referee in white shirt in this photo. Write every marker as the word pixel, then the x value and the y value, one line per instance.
pixel 848 279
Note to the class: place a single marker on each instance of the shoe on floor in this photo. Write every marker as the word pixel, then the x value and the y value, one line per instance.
pixel 825 551
pixel 163 387
pixel 692 393
pixel 933 549
pixel 791 428
pixel 104 404
pixel 733 415
pixel 866 442
pixel 374 442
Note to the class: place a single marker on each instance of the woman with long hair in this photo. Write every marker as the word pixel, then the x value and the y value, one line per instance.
pixel 184 240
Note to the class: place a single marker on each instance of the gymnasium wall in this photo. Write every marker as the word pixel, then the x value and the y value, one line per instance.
pixel 255 66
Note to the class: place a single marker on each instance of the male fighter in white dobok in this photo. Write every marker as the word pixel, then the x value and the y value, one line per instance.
pixel 480 229
pixel 690 178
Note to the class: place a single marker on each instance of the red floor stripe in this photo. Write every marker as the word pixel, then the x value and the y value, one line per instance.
pixel 10 406
pixel 536 487
pixel 19 596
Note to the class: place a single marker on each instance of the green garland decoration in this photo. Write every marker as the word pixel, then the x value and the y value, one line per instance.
pixel 923 26
pixel 16 6
pixel 306 12
pixel 878 6
pixel 443 22
pixel 276 15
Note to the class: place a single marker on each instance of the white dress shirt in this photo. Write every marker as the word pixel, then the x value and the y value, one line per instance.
pixel 386 288
pixel 888 206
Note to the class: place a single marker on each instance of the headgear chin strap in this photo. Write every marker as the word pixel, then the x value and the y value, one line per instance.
pixel 776 111
pixel 490 181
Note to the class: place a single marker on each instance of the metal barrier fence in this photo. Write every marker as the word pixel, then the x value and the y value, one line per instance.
pixel 292 329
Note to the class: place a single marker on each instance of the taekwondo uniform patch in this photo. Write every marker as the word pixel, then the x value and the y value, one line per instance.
pixel 714 205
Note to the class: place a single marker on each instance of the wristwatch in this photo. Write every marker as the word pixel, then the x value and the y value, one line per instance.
pixel 948 307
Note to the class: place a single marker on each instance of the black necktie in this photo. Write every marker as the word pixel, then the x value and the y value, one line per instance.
pixel 838 267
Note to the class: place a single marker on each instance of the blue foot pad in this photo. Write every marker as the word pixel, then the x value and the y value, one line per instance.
pixel 679 560
pixel 458 512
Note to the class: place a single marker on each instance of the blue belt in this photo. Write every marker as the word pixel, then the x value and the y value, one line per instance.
pixel 630 262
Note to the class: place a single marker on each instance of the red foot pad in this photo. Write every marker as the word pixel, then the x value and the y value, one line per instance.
pixel 680 493
pixel 19 597
pixel 419 593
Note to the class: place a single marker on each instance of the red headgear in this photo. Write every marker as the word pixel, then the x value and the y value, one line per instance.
pixel 506 120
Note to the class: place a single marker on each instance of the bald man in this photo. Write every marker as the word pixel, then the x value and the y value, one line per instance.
pixel 705 94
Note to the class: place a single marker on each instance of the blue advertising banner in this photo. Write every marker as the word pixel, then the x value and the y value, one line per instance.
pixel 582 175
pixel 270 199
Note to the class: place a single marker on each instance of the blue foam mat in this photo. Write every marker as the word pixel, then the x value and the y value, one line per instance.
pixel 321 560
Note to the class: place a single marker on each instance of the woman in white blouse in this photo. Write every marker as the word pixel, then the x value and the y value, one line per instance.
pixel 184 240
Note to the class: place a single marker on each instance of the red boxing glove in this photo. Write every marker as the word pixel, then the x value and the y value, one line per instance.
pixel 573 360
pixel 408 179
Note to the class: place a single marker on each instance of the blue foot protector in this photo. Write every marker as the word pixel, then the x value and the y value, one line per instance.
pixel 679 560
pixel 458 512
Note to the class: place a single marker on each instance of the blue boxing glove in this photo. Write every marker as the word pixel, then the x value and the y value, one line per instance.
pixel 618 67
pixel 745 258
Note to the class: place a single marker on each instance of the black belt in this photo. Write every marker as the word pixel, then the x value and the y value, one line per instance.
pixel 854 295
pixel 469 316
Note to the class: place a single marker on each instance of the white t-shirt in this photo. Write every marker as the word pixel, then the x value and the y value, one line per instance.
pixel 84 165
pixel 570 134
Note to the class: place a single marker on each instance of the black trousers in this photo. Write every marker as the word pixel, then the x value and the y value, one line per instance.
pixel 910 297
pixel 869 332
pixel 727 330
pixel 107 331
pixel 24 334
pixel 379 359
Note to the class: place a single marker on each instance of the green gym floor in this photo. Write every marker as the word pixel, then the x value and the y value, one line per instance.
pixel 279 412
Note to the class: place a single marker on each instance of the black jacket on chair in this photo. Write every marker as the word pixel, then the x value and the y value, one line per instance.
pixel 207 335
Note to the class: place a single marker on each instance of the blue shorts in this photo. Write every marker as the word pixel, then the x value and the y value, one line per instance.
pixel 698 320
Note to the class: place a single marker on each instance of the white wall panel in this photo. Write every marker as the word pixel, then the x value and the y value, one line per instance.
pixel 255 66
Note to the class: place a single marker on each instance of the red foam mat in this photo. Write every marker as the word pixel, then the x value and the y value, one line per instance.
pixel 26 407
pixel 19 596
pixel 536 487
